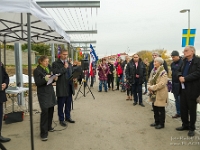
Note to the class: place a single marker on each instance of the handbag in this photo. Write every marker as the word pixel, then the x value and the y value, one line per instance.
pixel 152 97
pixel 14 117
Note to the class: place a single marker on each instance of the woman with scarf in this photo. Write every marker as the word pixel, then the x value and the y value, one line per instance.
pixel 46 96
pixel 158 93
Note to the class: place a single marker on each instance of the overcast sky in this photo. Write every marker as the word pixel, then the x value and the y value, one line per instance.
pixel 134 25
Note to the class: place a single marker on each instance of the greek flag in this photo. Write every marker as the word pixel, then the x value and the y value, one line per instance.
pixel 93 54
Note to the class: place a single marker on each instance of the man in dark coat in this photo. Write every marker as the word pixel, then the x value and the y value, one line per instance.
pixel 189 77
pixel 135 74
pixel 176 64
pixel 64 87
pixel 110 75
pixel 4 85
pixel 151 65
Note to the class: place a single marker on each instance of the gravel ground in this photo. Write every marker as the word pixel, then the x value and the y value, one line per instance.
pixel 108 122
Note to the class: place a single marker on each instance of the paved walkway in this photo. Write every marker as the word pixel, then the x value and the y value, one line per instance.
pixel 108 122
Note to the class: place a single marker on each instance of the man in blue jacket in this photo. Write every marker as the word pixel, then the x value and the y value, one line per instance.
pixel 4 84
pixel 176 64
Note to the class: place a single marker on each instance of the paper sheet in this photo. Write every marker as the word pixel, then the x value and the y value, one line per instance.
pixel 52 78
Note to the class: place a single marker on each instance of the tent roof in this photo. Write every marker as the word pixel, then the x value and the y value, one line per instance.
pixel 13 23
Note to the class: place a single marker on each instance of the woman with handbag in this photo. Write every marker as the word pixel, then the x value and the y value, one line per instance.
pixel 158 92
pixel 46 96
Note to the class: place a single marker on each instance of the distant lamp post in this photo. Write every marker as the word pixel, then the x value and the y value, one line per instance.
pixel 187 10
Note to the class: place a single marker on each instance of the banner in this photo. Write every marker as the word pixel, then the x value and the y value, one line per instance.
pixel 188 37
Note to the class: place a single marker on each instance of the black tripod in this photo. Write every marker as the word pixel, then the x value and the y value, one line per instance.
pixel 84 84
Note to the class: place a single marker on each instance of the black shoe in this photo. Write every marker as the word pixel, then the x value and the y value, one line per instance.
pixel 116 89
pixel 134 103
pixel 3 139
pixel 141 104
pixel 44 138
pixel 144 93
pixel 106 91
pixel 70 120
pixel 182 128
pixel 191 133
pixel 99 91
pixel 51 129
pixel 176 116
pixel 62 123
pixel 153 124
pixel 159 126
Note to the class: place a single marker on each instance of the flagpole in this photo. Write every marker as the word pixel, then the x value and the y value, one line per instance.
pixel 188 18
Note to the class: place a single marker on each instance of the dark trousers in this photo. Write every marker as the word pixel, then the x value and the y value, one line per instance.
pixel 64 102
pixel 145 84
pixel 129 91
pixel 110 80
pixel 92 81
pixel 118 80
pixel 159 114
pixel 137 91
pixel 46 118
pixel 1 116
pixel 188 110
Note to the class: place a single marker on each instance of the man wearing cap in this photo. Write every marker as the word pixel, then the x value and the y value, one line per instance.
pixel 189 74
pixel 176 64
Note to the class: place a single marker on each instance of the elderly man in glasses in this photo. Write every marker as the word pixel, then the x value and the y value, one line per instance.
pixel 189 77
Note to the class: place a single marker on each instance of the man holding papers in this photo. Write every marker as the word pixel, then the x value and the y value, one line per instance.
pixel 46 95
pixel 64 87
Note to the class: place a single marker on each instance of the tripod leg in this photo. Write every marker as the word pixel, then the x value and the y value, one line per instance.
pixel 78 91
pixel 90 91
pixel 2 147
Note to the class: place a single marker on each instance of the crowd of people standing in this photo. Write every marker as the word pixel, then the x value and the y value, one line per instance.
pixel 132 73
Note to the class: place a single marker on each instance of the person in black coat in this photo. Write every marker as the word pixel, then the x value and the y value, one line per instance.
pixel 151 65
pixel 110 75
pixel 4 85
pixel 135 75
pixel 176 64
pixel 64 87
pixel 189 77
pixel 46 96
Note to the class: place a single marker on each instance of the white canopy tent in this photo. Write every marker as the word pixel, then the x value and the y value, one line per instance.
pixel 24 21
pixel 13 23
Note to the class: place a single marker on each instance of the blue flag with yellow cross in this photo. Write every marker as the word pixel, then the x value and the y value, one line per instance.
pixel 188 37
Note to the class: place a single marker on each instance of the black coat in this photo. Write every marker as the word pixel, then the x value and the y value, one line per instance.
pixel 192 80
pixel 62 84
pixel 5 79
pixel 151 66
pixel 175 66
pixel 45 93
pixel 131 72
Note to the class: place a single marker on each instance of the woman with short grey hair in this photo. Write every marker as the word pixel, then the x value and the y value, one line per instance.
pixel 158 93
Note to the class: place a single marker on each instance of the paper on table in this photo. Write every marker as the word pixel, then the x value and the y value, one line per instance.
pixel 52 78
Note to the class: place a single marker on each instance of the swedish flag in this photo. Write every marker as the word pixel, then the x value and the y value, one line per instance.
pixel 188 37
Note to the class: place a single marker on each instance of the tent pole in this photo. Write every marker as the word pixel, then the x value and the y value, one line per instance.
pixel 0 69
pixel 30 78
pixel 4 43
